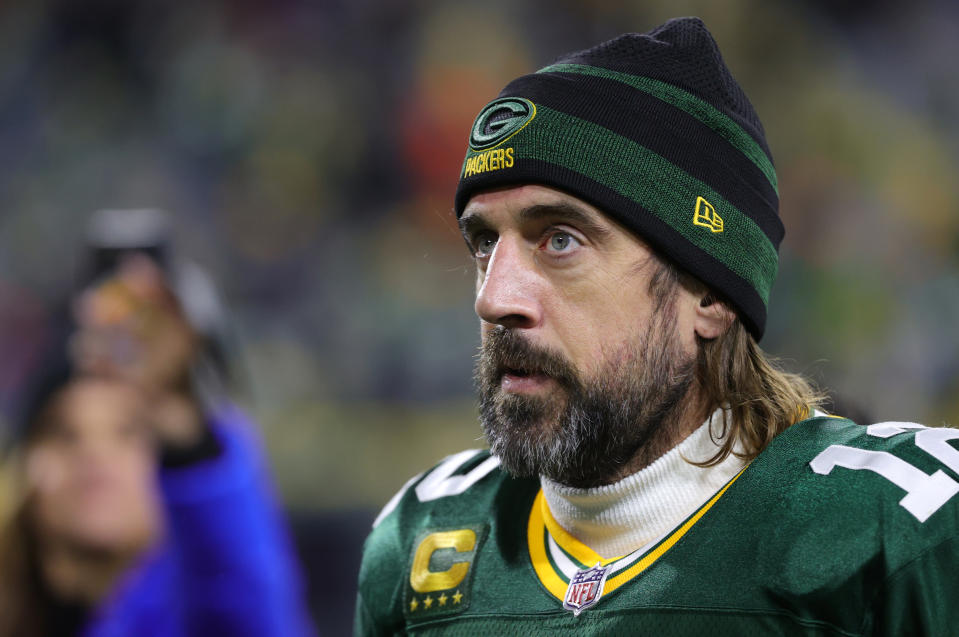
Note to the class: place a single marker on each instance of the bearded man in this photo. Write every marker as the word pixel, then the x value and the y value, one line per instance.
pixel 650 470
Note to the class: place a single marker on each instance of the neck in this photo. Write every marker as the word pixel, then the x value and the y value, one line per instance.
pixel 685 417
pixel 81 575
pixel 618 518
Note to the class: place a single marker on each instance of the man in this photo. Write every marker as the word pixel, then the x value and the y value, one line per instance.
pixel 651 472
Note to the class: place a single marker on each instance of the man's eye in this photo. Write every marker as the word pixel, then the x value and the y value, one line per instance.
pixel 484 244
pixel 561 241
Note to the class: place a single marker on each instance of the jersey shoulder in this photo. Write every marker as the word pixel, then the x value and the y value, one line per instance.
pixel 834 460
pixel 890 487
pixel 440 493
pixel 869 513
pixel 444 513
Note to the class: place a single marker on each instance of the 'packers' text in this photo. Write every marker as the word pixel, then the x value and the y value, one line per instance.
pixel 490 160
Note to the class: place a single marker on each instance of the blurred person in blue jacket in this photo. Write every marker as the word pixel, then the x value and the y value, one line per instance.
pixel 141 511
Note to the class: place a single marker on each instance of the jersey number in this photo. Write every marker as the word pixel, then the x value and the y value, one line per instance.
pixel 925 493
pixel 440 482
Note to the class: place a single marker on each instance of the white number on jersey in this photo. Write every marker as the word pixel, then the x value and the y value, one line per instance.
pixel 440 482
pixel 932 441
pixel 925 493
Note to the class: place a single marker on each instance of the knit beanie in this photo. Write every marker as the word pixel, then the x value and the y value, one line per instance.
pixel 653 130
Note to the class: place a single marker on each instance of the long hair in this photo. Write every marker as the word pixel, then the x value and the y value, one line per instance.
pixel 24 601
pixel 759 399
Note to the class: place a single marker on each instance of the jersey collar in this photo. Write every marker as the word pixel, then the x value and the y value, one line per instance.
pixel 557 556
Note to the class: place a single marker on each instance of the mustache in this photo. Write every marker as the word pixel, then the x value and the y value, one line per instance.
pixel 504 350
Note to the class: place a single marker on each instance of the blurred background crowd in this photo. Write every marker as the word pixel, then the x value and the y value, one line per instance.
pixel 306 154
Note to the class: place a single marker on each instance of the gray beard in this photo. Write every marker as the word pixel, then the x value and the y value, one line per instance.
pixel 586 440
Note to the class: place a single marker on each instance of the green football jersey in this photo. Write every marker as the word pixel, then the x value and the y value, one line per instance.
pixel 835 529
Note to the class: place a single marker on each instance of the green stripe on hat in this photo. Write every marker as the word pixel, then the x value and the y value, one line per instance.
pixel 659 186
pixel 686 101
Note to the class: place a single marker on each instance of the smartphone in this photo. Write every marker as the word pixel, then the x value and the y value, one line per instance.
pixel 114 234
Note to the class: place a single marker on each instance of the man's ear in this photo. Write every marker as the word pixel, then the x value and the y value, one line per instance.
pixel 713 317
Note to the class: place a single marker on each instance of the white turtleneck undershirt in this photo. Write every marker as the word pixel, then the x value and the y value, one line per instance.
pixel 618 518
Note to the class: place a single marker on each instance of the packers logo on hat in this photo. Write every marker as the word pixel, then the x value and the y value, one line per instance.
pixel 500 120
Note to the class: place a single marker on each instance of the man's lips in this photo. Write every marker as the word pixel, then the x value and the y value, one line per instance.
pixel 520 381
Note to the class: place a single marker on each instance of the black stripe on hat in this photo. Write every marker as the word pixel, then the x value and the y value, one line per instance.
pixel 668 131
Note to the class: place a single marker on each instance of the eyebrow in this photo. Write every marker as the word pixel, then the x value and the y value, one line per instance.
pixel 561 211
pixel 472 224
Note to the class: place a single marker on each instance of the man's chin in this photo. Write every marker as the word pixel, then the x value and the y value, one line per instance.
pixel 530 414
pixel 519 429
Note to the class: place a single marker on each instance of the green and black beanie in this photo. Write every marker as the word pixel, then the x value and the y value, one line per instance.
pixel 653 130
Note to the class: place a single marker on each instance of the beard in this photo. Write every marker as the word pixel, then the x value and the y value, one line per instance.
pixel 584 434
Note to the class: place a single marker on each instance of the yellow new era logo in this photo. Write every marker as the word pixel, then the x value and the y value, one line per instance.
pixel 706 216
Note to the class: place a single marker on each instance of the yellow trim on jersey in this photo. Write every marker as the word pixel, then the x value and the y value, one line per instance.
pixel 615 582
pixel 567 542
pixel 538 552
pixel 541 521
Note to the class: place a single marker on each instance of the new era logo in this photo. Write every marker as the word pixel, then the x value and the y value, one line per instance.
pixel 706 216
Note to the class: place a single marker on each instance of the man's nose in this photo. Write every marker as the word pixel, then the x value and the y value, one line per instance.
pixel 510 290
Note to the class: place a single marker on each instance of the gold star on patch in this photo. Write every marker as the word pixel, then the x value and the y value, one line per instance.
pixel 443 599
pixel 428 602
pixel 457 597
pixel 414 605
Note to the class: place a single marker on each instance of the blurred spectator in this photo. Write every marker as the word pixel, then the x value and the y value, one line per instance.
pixel 101 543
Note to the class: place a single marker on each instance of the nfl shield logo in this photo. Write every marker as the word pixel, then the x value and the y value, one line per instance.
pixel 585 588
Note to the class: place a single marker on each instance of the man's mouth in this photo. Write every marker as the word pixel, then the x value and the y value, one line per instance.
pixel 521 380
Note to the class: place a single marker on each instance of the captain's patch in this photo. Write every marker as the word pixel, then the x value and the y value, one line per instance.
pixel 441 571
